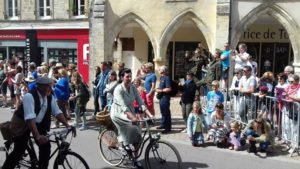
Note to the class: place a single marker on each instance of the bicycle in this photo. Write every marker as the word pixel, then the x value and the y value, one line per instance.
pixel 114 152
pixel 65 157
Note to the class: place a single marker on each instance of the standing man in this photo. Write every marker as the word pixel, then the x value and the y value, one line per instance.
pixel 225 60
pixel 36 110
pixel 103 79
pixel 248 85
pixel 149 85
pixel 164 102
pixel 121 67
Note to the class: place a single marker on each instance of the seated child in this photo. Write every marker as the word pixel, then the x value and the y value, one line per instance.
pixel 194 125
pixel 235 140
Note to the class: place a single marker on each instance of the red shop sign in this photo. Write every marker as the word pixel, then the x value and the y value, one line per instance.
pixel 12 35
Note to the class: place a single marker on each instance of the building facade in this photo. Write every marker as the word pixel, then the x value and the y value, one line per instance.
pixel 40 30
pixel 161 31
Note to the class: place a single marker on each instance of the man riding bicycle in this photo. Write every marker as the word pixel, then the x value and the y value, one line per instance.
pixel 35 111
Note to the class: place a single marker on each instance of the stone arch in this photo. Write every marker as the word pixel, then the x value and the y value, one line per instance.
pixel 119 25
pixel 276 12
pixel 175 23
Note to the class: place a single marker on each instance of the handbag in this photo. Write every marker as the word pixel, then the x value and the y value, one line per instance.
pixel 18 126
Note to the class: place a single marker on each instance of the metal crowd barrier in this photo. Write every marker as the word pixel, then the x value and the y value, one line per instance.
pixel 283 115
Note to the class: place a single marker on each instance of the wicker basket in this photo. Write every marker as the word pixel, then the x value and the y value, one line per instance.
pixel 5 130
pixel 103 118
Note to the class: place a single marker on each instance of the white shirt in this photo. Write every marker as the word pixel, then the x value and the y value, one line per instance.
pixel 28 105
pixel 241 60
pixel 247 83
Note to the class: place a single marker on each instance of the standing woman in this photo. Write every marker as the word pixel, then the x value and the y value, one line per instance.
pixel 81 97
pixel 17 84
pixel 164 101
pixel 122 112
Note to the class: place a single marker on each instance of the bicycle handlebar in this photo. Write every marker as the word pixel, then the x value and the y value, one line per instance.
pixel 62 135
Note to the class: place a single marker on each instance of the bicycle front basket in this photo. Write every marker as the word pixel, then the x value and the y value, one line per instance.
pixel 5 130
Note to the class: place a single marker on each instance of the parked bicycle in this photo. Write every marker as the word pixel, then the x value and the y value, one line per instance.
pixel 158 153
pixel 65 158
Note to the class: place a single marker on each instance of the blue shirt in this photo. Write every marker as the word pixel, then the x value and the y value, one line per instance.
pixel 165 82
pixel 61 89
pixel 102 82
pixel 212 99
pixel 150 78
pixel 226 61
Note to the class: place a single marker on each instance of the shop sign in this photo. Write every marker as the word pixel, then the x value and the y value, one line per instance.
pixel 267 34
pixel 12 35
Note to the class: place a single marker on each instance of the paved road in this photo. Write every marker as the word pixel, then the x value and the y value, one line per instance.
pixel 193 158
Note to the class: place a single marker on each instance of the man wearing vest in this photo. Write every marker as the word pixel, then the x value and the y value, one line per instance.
pixel 36 110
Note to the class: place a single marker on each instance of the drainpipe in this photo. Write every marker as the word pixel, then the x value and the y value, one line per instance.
pixel 230 27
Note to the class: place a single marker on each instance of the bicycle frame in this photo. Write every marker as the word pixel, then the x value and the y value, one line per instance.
pixel 145 139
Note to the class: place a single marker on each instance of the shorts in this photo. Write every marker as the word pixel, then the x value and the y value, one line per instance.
pixel 150 101
pixel 225 74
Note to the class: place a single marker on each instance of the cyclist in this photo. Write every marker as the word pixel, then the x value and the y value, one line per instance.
pixel 36 110
pixel 122 113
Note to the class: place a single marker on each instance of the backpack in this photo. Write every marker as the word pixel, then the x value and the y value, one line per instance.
pixel 174 89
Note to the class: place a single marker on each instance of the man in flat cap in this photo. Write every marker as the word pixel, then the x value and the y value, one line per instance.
pixel 36 110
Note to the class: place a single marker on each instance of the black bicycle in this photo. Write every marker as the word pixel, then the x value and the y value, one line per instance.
pixel 65 157
pixel 158 153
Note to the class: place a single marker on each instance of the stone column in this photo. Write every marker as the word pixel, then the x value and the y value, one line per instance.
pixel 96 40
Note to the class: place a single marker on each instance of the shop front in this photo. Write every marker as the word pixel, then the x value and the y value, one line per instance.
pixel 64 46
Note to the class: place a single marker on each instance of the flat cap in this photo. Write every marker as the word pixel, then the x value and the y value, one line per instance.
pixel 44 80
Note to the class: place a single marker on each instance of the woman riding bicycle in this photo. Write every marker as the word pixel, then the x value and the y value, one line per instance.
pixel 122 112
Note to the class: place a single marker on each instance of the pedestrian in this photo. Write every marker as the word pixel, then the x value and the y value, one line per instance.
pixel 164 102
pixel 235 137
pixel 195 124
pixel 138 110
pixel 81 96
pixel 62 94
pixel 110 87
pixel 3 83
pixel 149 85
pixel 95 91
pixel 214 97
pixel 225 61
pixel 103 79
pixel 17 84
pixel 189 90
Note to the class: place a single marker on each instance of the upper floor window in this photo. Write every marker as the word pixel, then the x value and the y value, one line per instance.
pixel 12 9
pixel 78 7
pixel 44 8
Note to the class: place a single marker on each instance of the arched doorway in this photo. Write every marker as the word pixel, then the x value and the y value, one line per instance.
pixel 182 45
pixel 269 44
pixel 128 40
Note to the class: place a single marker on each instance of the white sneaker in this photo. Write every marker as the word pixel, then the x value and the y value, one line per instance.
pixel 183 131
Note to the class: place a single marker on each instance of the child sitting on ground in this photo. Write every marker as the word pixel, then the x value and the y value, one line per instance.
pixel 194 125
pixel 235 140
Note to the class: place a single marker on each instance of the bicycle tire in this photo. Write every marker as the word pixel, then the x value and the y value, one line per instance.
pixel 69 161
pixel 111 155
pixel 154 156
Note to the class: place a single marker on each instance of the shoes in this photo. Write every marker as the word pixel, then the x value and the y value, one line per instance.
pixel 165 131
pixel 160 127
pixel 83 128
pixel 55 126
pixel 252 150
pixel 183 131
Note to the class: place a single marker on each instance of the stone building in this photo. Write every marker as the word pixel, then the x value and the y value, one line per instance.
pixel 161 31
pixel 40 30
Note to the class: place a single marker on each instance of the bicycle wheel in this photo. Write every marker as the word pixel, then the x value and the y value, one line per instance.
pixel 162 154
pixel 109 148
pixel 71 160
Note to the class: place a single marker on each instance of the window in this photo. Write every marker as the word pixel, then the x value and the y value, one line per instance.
pixel 44 8
pixel 12 7
pixel 78 7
